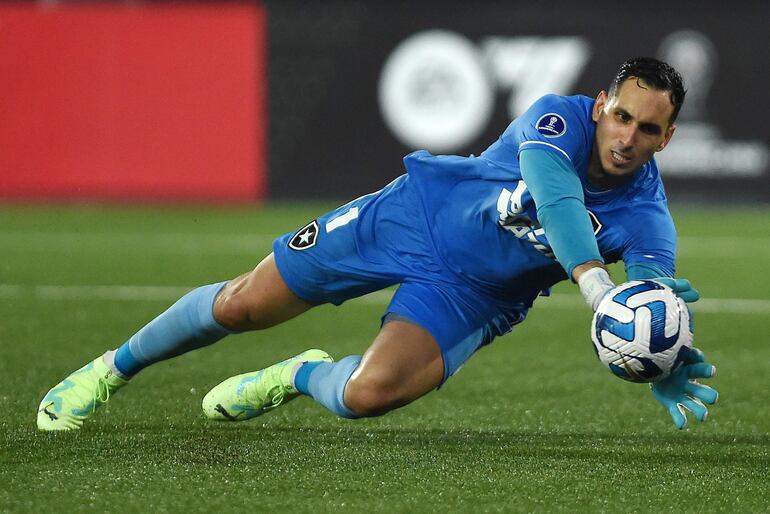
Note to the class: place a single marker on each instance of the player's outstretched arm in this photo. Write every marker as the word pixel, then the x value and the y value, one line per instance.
pixel 558 194
pixel 680 391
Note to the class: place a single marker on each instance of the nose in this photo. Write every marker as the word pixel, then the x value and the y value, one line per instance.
pixel 628 136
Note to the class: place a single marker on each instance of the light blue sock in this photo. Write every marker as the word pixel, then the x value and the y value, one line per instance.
pixel 185 326
pixel 325 382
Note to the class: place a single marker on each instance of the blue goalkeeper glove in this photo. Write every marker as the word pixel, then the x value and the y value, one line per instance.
pixel 680 391
pixel 681 287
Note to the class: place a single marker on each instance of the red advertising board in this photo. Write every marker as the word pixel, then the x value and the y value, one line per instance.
pixel 133 102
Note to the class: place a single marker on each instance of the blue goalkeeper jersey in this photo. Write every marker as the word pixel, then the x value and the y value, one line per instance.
pixel 483 221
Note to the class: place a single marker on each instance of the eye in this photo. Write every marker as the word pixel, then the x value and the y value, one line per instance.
pixel 623 116
pixel 652 130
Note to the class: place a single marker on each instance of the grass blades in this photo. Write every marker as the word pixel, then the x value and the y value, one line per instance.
pixel 532 423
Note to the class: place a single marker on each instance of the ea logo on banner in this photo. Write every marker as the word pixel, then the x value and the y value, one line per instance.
pixel 434 92
pixel 437 89
pixel 551 125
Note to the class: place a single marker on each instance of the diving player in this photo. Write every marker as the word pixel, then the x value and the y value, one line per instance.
pixel 472 241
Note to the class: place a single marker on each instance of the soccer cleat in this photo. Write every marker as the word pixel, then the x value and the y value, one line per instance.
pixel 78 396
pixel 252 394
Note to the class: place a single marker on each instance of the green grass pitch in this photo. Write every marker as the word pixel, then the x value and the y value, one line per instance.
pixel 531 423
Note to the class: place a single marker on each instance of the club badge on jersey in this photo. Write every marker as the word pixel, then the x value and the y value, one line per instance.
pixel 305 237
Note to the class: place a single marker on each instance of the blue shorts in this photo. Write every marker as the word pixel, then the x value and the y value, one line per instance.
pixel 379 240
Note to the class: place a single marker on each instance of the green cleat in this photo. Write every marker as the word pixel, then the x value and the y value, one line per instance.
pixel 252 394
pixel 77 396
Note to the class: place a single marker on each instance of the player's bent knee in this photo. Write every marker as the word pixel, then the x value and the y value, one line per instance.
pixel 238 307
pixel 231 308
pixel 257 300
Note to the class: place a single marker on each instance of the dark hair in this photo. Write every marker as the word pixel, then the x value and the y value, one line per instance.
pixel 657 74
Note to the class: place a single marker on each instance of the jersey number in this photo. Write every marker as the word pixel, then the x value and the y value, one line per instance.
pixel 342 219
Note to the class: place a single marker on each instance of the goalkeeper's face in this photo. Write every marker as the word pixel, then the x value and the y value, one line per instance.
pixel 631 125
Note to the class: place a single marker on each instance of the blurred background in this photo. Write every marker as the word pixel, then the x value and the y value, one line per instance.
pixel 290 100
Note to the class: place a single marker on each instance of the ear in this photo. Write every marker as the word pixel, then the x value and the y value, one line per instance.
pixel 601 101
pixel 666 138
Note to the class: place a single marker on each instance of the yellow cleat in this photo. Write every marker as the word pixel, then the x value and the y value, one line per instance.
pixel 252 394
pixel 78 396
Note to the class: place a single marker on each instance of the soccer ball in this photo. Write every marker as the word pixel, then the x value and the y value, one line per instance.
pixel 642 331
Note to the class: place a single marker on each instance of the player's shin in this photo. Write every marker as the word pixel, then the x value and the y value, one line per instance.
pixel 187 325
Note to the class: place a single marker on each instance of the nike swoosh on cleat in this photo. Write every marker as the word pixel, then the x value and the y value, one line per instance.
pixel 226 414
pixel 51 415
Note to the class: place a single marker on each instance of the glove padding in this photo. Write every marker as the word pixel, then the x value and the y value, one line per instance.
pixel 680 391
pixel 682 288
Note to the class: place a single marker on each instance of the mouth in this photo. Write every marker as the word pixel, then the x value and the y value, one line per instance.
pixel 619 159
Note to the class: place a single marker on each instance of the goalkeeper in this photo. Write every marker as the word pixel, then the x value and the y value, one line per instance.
pixel 472 242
